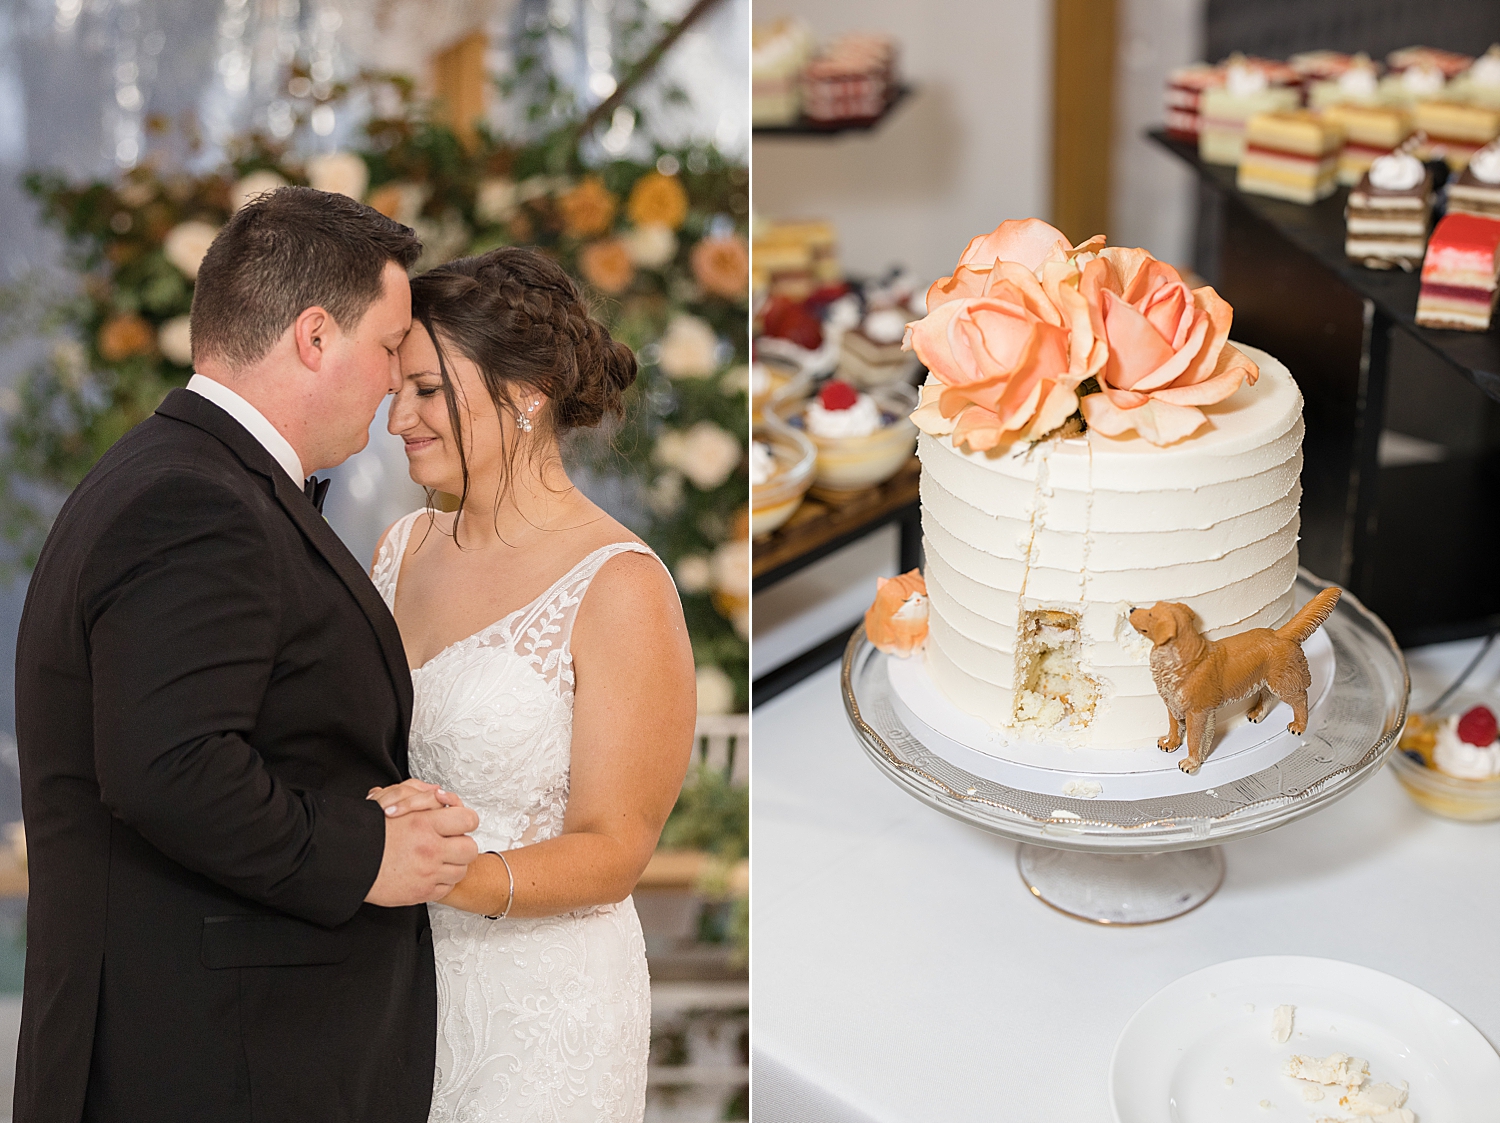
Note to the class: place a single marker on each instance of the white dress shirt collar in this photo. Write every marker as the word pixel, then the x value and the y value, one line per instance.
pixel 254 422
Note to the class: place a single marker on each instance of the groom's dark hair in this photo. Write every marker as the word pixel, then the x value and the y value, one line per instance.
pixel 285 252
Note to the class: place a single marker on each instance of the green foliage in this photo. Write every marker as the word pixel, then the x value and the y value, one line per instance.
pixel 711 814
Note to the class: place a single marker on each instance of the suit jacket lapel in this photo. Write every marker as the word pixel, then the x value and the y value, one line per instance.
pixel 196 410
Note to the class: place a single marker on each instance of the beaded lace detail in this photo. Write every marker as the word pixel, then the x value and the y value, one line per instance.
pixel 543 1020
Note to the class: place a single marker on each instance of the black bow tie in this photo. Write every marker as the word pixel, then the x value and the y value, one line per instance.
pixel 316 491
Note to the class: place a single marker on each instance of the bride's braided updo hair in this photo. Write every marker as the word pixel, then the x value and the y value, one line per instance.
pixel 524 323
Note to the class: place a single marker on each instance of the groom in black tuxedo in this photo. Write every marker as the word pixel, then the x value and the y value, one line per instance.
pixel 222 927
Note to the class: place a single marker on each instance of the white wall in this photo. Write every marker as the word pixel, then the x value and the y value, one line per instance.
pixel 1152 191
pixel 971 148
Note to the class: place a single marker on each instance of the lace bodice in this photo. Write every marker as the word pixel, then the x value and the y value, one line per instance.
pixel 545 1020
pixel 493 712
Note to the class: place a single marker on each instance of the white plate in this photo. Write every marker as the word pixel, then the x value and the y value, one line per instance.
pixel 1173 1057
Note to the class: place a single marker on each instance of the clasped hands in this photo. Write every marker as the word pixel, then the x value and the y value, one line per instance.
pixel 427 843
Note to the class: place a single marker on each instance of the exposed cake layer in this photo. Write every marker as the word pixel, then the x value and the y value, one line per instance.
pixel 1035 557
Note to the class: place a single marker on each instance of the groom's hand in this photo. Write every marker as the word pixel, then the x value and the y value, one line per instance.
pixel 427 853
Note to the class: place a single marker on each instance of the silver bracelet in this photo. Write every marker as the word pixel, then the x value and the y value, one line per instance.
pixel 510 898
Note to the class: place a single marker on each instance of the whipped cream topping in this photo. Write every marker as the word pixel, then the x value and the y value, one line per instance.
pixel 1396 171
pixel 1457 758
pixel 1243 79
pixel 1485 164
pixel 859 420
pixel 1424 78
pixel 1358 81
pixel 886 326
pixel 1486 69
pixel 762 463
pixel 760 379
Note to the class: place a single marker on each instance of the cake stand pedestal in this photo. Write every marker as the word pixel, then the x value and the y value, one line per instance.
pixel 1149 856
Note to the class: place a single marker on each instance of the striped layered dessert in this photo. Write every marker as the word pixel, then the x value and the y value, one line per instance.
pixel 1370 131
pixel 1386 216
pixel 1477 191
pixel 1459 273
pixel 1291 155
pixel 1036 556
pixel 1185 86
pixel 1455 131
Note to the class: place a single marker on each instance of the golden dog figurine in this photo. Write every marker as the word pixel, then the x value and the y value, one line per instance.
pixel 1195 675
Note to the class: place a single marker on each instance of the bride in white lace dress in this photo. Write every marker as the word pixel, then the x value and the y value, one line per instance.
pixel 553 694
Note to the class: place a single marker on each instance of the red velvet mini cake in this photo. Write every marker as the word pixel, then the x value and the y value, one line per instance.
pixel 1459 273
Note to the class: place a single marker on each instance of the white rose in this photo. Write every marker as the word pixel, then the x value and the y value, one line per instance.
pixel 186 243
pixel 715 691
pixel 731 567
pixel 665 495
pixel 442 239
pixel 706 454
pixel 695 574
pixel 402 202
pixel 342 173
pixel 539 186
pixel 175 341
pixel 256 183
pixel 689 348
pixel 651 246
pixel 496 200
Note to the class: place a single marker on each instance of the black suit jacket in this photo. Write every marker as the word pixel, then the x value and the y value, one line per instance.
pixel 207 685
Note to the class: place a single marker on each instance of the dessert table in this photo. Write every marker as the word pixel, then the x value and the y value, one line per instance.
pixel 901 972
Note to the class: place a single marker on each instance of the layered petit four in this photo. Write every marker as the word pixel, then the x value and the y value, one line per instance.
pixel 1290 155
pixel 1477 190
pixel 870 353
pixel 1318 65
pixel 1455 131
pixel 797 257
pixel 852 80
pixel 778 52
pixel 1480 84
pixel 863 437
pixel 1459 273
pixel 1224 111
pixel 1387 213
pixel 1356 84
pixel 1370 131
pixel 1448 63
pixel 1419 82
pixel 1185 86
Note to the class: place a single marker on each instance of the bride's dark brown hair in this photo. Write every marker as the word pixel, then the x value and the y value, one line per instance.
pixel 517 316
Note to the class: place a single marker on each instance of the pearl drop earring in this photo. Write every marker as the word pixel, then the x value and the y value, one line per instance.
pixel 524 419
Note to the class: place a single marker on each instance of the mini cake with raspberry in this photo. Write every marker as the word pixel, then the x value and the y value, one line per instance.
pixel 863 437
pixel 1468 746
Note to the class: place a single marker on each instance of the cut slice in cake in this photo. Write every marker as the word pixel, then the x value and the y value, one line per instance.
pixel 1290 155
pixel 1387 213
pixel 1459 273
pixel 1477 191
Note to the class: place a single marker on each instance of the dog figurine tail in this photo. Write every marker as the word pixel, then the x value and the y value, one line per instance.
pixel 1310 616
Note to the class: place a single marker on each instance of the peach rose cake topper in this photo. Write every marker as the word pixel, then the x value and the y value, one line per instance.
pixel 1029 331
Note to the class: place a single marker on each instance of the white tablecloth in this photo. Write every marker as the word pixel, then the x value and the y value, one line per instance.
pixel 901 972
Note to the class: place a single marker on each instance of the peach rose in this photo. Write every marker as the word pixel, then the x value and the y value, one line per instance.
pixel 1167 348
pixel 897 622
pixel 588 209
pixel 722 266
pixel 606 265
pixel 1028 242
pixel 658 200
pixel 125 335
pixel 1002 362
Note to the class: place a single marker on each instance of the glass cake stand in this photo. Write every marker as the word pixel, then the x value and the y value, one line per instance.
pixel 1151 851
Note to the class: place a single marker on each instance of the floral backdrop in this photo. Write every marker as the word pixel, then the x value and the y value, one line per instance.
pixel 657 235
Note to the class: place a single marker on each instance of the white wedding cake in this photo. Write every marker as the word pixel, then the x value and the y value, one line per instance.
pixel 1036 556
pixel 1091 443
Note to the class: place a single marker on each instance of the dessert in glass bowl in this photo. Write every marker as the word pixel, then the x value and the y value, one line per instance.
pixel 770 377
pixel 781 470
pixel 1451 765
pixel 862 437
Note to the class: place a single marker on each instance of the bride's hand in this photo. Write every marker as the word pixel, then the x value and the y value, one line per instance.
pixel 412 795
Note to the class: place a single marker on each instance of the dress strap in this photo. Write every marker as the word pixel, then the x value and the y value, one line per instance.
pixel 388 563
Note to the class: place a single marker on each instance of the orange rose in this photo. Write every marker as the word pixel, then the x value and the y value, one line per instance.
pixel 658 200
pixel 588 209
pixel 1001 361
pixel 124 336
pixel 897 622
pixel 606 265
pixel 722 266
pixel 1028 242
pixel 1168 349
